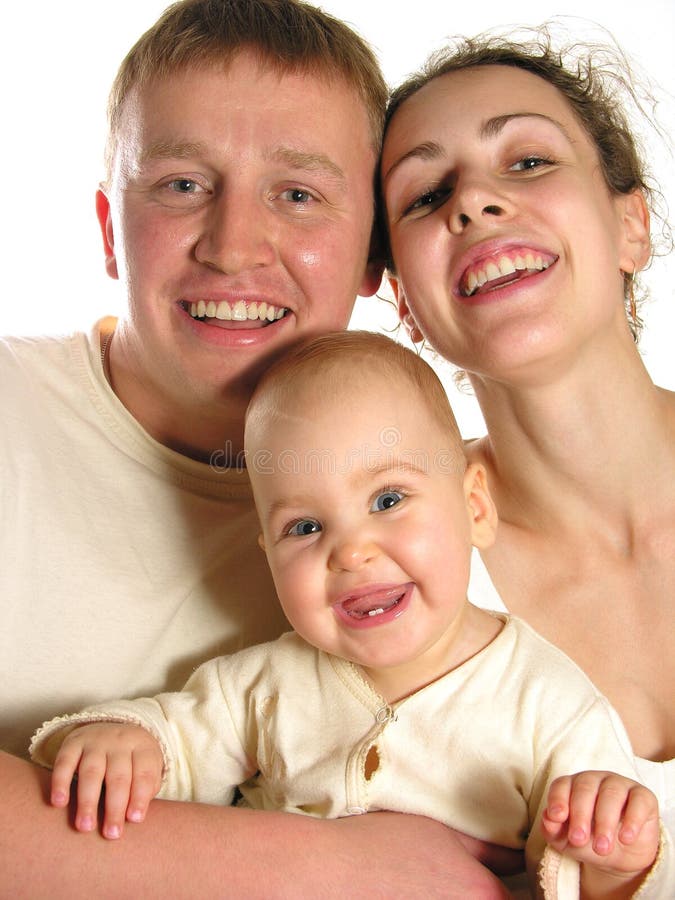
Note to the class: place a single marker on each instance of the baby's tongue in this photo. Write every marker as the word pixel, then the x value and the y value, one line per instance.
pixel 362 606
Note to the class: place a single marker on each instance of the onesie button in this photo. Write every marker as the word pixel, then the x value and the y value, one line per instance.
pixel 385 714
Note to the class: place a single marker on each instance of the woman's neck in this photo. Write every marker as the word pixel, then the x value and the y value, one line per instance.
pixel 578 438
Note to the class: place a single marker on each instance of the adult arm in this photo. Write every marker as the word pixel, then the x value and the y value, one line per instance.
pixel 184 849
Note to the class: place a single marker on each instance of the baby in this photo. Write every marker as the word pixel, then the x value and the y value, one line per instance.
pixel 393 691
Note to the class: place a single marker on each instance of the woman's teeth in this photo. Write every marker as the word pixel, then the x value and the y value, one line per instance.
pixel 475 280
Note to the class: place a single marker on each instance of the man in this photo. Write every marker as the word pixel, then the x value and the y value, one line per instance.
pixel 237 213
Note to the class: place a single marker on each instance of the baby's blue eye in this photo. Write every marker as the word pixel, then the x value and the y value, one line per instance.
pixel 386 500
pixel 304 527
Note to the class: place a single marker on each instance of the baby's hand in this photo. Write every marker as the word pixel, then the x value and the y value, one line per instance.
pixel 126 758
pixel 605 821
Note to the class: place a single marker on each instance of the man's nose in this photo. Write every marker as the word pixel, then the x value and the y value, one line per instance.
pixel 236 234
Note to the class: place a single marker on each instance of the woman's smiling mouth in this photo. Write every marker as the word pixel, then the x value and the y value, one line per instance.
pixel 494 272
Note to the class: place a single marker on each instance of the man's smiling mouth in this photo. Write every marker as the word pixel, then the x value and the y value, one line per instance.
pixel 241 311
pixel 506 268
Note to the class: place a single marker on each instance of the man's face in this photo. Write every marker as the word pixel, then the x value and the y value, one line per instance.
pixel 239 218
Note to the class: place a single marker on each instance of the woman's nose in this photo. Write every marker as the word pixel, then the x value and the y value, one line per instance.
pixel 475 201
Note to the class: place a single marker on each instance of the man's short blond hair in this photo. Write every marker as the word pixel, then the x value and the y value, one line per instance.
pixel 287 35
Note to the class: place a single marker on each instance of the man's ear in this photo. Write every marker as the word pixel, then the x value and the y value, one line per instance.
pixel 372 277
pixel 404 313
pixel 105 223
pixel 635 247
pixel 481 507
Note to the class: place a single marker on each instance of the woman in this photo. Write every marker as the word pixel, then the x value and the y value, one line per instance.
pixel 516 210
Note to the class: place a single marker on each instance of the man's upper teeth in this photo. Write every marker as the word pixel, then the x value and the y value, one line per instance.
pixel 505 265
pixel 237 312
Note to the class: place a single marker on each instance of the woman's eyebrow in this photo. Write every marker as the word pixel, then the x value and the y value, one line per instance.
pixel 494 126
pixel 430 150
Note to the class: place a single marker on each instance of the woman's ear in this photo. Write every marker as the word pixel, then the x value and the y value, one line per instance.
pixel 404 313
pixel 481 507
pixel 636 247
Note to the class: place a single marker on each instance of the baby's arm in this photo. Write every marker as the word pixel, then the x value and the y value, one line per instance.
pixel 607 822
pixel 124 757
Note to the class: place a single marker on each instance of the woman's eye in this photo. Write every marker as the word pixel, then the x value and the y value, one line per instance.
pixel 428 199
pixel 528 163
pixel 386 500
pixel 304 527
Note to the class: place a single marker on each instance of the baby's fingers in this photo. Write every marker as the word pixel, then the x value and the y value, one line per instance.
pixel 609 809
pixel 640 808
pixel 147 779
pixel 118 779
pixel 90 778
pixel 63 772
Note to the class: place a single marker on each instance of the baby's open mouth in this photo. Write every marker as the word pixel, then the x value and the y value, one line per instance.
pixel 374 603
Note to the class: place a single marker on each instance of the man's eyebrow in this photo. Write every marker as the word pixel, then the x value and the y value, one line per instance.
pixel 162 149
pixel 296 159
pixel 308 162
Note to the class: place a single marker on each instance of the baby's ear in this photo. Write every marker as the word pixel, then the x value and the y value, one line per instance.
pixel 481 507
pixel 404 313
pixel 261 542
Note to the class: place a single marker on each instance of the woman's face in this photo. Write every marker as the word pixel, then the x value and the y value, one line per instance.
pixel 507 243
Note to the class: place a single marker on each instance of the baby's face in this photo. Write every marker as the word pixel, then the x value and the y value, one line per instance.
pixel 367 520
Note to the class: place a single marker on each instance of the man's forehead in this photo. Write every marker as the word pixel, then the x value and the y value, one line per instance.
pixel 311 140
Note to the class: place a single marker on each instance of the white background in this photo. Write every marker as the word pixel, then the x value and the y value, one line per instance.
pixel 56 66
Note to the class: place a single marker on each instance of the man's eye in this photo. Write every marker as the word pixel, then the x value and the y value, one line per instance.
pixel 386 500
pixel 528 163
pixel 297 195
pixel 304 527
pixel 184 186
